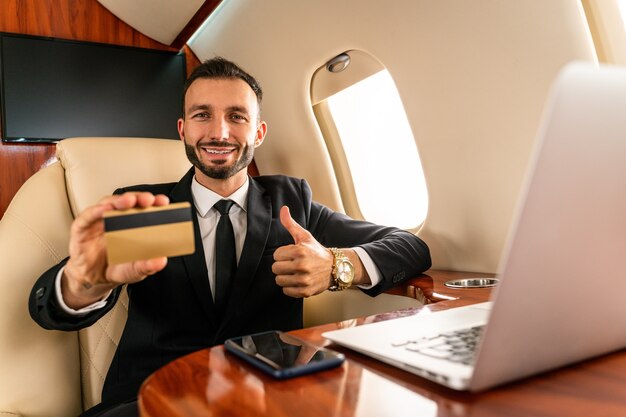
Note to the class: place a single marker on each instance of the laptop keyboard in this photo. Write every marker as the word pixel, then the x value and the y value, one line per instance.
pixel 456 346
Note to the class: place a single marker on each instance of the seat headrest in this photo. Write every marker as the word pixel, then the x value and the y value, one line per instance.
pixel 97 166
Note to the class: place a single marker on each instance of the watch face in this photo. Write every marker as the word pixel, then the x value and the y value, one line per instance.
pixel 345 272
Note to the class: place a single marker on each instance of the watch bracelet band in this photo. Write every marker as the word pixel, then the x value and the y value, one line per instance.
pixel 337 255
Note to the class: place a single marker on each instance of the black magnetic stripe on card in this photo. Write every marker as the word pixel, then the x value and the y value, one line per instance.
pixel 151 218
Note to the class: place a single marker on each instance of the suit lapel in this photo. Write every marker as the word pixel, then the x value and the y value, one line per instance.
pixel 195 263
pixel 259 222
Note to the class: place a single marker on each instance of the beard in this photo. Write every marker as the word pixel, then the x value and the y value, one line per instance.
pixel 220 172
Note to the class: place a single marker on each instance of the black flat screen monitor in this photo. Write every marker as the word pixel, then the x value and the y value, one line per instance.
pixel 51 89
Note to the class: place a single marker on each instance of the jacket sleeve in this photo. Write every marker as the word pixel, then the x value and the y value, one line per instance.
pixel 45 310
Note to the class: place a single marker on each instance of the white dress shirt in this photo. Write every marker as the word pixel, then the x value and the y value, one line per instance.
pixel 208 217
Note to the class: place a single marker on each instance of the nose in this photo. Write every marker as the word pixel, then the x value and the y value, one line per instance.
pixel 218 129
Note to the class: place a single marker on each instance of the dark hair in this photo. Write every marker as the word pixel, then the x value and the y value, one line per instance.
pixel 219 67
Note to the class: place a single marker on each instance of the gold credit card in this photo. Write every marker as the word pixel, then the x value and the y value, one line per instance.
pixel 152 232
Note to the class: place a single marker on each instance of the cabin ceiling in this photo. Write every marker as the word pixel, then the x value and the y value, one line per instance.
pixel 170 22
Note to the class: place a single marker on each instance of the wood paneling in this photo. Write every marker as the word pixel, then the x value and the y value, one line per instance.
pixel 85 20
pixel 17 164
pixel 191 60
pixel 196 21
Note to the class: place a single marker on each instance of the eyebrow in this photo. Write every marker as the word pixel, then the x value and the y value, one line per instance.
pixel 197 107
pixel 239 109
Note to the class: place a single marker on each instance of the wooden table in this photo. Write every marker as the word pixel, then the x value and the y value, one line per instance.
pixel 211 382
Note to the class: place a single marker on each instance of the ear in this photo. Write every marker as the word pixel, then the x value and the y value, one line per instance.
pixel 261 131
pixel 181 129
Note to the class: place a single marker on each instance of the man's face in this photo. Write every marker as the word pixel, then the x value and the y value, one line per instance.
pixel 221 127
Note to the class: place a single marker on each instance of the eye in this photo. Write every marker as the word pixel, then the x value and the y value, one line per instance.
pixel 239 118
pixel 201 115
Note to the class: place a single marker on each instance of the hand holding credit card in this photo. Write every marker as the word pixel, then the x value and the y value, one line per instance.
pixel 144 233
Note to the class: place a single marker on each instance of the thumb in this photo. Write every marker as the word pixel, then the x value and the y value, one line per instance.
pixel 297 232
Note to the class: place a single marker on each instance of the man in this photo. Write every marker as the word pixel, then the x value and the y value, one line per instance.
pixel 282 241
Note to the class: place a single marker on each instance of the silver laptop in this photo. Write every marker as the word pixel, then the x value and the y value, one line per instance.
pixel 563 273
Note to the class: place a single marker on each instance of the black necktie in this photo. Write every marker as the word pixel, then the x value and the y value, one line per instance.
pixel 225 254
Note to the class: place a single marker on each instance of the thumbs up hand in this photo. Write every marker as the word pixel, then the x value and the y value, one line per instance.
pixel 304 268
pixel 297 232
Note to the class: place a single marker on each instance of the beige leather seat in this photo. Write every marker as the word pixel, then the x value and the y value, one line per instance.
pixel 50 373
pixel 58 374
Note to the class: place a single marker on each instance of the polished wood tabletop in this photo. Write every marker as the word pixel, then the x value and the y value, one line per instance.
pixel 212 382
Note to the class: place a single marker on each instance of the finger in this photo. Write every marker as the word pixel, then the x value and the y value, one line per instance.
pixel 161 200
pixel 285 267
pixel 289 284
pixel 297 232
pixel 131 272
pixel 148 200
pixel 93 214
pixel 150 266
pixel 293 288
pixel 290 252
pixel 306 284
pixel 294 264
pixel 88 216
pixel 295 292
pixel 135 199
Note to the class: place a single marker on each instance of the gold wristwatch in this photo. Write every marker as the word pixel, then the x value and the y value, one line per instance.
pixel 343 271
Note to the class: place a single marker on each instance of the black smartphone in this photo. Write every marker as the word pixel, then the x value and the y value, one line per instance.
pixel 282 355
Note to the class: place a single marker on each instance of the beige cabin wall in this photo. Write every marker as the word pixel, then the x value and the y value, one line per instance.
pixel 473 77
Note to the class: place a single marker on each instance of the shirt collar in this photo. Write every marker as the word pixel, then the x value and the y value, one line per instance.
pixel 204 199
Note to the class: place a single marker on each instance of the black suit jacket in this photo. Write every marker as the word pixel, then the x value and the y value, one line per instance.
pixel 172 313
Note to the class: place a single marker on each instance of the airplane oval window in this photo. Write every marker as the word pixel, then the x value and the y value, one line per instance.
pixel 370 142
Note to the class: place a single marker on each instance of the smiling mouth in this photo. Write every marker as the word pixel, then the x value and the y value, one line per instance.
pixel 218 152
pixel 218 149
